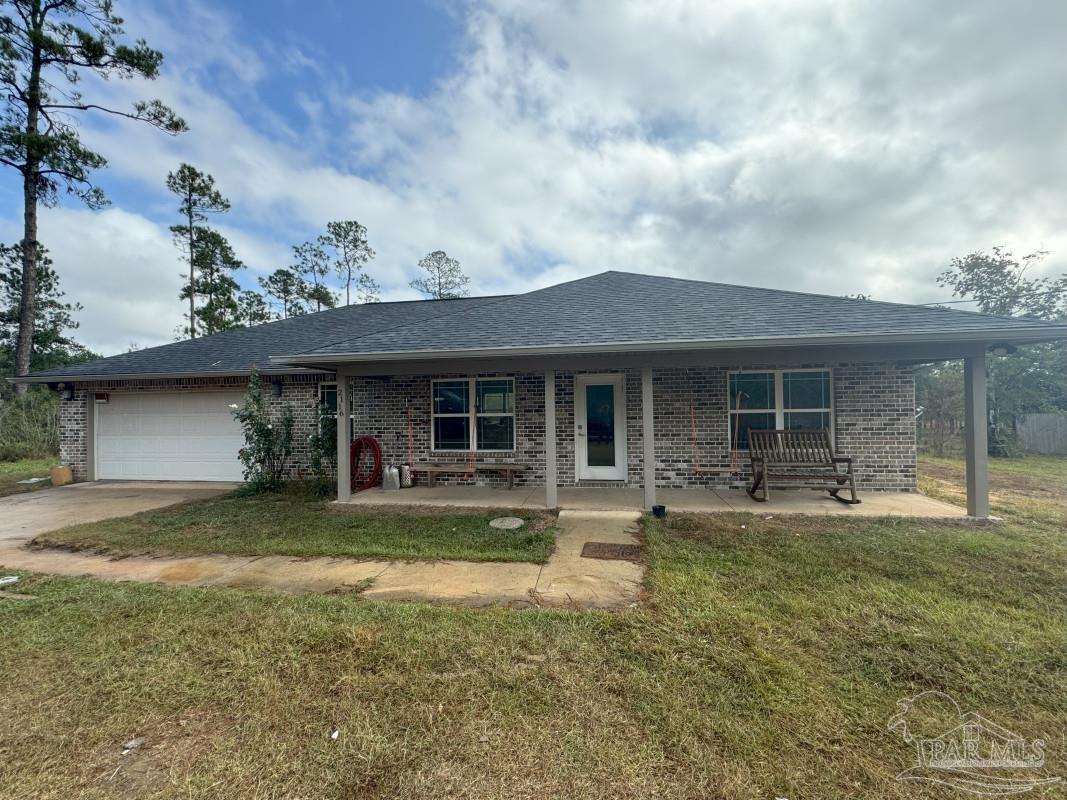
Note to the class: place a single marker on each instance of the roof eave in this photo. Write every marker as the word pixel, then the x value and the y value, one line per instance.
pixel 992 336
pixel 127 376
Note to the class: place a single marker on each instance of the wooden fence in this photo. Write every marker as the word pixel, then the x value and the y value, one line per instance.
pixel 1043 433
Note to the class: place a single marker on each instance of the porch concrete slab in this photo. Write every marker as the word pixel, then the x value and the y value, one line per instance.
pixel 453 497
pixel 582 498
pixel 701 501
pixel 570 580
pixel 799 501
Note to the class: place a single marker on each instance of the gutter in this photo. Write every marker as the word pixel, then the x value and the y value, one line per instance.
pixel 1010 335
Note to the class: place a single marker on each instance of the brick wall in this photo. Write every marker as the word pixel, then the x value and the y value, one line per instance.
pixel 874 422
pixel 873 404
pixel 382 407
pixel 73 426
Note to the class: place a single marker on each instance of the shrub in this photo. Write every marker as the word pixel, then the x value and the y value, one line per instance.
pixel 322 445
pixel 29 426
pixel 268 441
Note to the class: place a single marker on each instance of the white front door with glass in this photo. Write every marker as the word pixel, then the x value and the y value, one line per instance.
pixel 600 427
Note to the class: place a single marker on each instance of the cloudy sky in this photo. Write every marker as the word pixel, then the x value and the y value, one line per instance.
pixel 819 145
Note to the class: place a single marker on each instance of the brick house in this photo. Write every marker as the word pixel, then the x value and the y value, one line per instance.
pixel 612 380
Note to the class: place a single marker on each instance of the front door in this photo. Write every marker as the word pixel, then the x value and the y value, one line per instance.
pixel 600 427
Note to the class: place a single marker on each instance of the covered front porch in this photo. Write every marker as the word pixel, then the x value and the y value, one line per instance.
pixel 704 501
pixel 655 409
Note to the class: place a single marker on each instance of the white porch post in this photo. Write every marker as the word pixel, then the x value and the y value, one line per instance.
pixel 648 437
pixel 344 439
pixel 977 444
pixel 551 476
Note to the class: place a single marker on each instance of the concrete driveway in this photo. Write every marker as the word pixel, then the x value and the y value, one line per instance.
pixel 23 516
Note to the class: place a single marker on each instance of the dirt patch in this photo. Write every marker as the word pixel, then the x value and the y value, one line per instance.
pixel 171 747
pixel 612 551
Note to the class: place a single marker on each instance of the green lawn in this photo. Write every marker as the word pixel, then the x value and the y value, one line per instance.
pixel 11 472
pixel 765 663
pixel 295 525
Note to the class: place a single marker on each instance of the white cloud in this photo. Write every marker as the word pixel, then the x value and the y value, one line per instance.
pixel 819 145
pixel 123 269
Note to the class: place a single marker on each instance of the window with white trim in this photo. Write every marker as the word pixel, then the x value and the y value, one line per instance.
pixel 472 414
pixel 800 399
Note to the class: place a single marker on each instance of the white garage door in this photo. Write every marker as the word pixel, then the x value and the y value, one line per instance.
pixel 181 436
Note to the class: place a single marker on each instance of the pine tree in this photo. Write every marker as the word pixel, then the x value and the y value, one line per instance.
pixel 199 197
pixel 351 252
pixel 252 309
pixel 312 264
pixel 52 347
pixel 45 49
pixel 288 289
pixel 444 279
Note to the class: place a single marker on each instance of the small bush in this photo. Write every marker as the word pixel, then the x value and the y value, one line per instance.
pixel 29 426
pixel 268 441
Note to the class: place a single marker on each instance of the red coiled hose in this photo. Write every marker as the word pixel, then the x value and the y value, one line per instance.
pixel 365 460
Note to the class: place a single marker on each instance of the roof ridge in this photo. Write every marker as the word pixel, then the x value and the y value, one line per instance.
pixel 496 298
pixel 894 303
pixel 493 298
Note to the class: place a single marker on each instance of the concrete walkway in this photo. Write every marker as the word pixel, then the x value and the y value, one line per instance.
pixel 567 580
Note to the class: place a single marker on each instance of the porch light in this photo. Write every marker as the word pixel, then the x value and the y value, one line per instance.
pixel 276 387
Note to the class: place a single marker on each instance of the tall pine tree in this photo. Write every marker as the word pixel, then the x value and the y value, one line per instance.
pixel 45 50
pixel 52 344
pixel 199 197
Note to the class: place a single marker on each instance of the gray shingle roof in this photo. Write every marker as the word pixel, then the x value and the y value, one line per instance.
pixel 619 308
pixel 612 310
pixel 239 350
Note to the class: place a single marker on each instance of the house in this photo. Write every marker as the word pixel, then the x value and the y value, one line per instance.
pixel 613 380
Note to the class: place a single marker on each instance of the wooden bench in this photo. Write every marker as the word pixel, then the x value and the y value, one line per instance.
pixel 435 468
pixel 800 458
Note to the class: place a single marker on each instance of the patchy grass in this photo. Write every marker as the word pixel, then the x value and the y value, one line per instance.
pixel 766 663
pixel 295 525
pixel 11 472
pixel 1034 487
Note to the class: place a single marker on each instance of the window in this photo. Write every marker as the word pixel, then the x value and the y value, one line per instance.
pixel 328 397
pixel 791 400
pixel 327 410
pixel 473 414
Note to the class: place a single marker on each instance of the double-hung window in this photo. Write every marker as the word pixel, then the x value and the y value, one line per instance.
pixel 782 399
pixel 473 414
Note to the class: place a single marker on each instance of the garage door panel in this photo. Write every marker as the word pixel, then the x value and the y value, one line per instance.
pixel 169 436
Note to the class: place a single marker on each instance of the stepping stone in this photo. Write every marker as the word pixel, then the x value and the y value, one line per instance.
pixel 506 523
